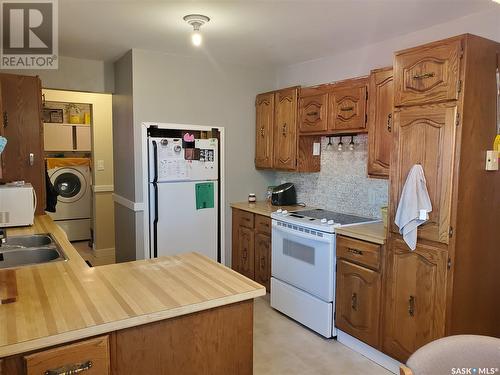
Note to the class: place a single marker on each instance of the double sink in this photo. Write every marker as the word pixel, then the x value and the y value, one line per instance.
pixel 18 251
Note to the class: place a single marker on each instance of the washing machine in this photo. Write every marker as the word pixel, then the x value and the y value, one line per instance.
pixel 72 179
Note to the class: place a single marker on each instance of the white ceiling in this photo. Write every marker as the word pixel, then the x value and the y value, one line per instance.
pixel 250 32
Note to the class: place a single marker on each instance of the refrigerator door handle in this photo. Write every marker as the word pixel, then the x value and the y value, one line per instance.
pixel 155 187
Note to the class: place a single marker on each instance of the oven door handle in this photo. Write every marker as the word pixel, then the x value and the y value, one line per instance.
pixel 327 237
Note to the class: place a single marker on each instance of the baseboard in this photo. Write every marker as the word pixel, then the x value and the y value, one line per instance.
pixel 369 352
pixel 103 188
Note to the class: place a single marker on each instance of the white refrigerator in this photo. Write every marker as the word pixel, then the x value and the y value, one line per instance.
pixel 183 197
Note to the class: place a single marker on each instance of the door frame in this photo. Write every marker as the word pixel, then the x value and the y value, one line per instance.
pixel 145 181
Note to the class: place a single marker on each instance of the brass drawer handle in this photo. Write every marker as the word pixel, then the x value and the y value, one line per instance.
pixel 424 75
pixel 389 122
pixel 245 254
pixel 411 306
pixel 262 131
pixel 71 369
pixel 283 131
pixel 347 109
pixel 312 113
pixel 354 251
pixel 354 301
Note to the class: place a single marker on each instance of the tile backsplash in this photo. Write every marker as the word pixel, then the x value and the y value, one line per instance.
pixel 342 185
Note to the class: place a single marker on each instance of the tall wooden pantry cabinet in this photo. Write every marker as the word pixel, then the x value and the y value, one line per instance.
pixel 444 119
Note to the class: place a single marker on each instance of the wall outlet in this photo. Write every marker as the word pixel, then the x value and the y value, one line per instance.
pixel 492 160
pixel 316 149
pixel 100 165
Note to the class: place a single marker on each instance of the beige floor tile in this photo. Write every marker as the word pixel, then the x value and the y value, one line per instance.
pixel 282 346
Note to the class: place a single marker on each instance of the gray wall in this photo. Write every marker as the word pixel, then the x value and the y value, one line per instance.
pixel 75 74
pixel 123 152
pixel 185 90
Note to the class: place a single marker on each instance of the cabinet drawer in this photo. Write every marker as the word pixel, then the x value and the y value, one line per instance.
pixel 361 252
pixel 263 224
pixel 427 74
pixel 246 219
pixel 90 357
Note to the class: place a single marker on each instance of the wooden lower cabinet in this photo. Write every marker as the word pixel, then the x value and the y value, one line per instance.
pixel 251 246
pixel 358 301
pixel 214 341
pixel 245 258
pixel 415 298
pixel 263 259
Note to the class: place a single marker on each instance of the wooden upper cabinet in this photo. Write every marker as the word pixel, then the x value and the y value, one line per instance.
pixel 23 157
pixel 426 135
pixel 347 106
pixel 381 94
pixel 428 74
pixel 264 106
pixel 285 129
pixel 313 110
pixel 358 302
pixel 415 298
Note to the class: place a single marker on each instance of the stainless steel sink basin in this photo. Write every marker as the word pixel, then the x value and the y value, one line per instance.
pixel 18 251
pixel 36 240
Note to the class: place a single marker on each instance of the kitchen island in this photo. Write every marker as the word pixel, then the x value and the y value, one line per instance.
pixel 165 315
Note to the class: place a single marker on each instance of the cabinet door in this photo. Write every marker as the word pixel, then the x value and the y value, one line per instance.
pixel 415 298
pixel 313 112
pixel 246 252
pixel 358 302
pixel 427 74
pixel 57 137
pixel 263 259
pixel 83 138
pixel 381 94
pixel 264 107
pixel 426 136
pixel 23 157
pixel 285 129
pixel 348 108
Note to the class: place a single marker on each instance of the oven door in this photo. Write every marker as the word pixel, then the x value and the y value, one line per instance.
pixel 304 258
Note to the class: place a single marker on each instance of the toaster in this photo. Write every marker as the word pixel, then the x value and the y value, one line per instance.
pixel 284 195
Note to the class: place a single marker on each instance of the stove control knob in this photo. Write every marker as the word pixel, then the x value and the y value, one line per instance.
pixel 323 221
pixel 331 222
pixel 279 211
pixel 285 212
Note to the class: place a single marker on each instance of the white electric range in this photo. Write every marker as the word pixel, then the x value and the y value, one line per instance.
pixel 303 265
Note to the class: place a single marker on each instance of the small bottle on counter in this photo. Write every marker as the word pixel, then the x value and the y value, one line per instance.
pixel 251 198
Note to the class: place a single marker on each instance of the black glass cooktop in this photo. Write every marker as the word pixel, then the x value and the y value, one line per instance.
pixel 330 215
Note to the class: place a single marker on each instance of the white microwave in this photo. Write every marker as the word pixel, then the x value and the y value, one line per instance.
pixel 17 205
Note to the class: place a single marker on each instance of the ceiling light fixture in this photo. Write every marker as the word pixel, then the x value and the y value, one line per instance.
pixel 196 20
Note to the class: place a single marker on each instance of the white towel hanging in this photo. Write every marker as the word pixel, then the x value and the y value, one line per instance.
pixel 414 206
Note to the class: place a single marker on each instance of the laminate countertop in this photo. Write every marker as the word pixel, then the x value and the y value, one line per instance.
pixel 371 232
pixel 65 301
pixel 265 208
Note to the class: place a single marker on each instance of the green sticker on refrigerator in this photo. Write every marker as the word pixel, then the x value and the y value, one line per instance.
pixel 204 195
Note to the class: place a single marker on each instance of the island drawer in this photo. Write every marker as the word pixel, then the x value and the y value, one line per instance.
pixel 90 357
pixel 360 252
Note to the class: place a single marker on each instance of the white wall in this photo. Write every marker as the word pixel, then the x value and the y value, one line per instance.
pixel 74 74
pixel 186 90
pixel 358 62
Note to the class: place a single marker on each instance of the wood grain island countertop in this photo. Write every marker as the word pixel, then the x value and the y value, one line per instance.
pixel 68 300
